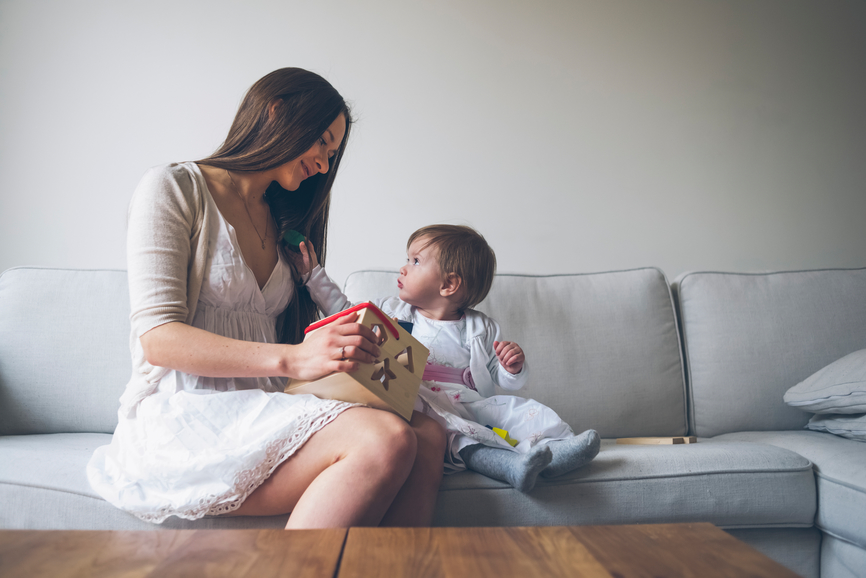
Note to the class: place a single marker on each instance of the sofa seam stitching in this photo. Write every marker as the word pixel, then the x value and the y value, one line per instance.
pixel 683 276
pixel 842 538
pixel 62 490
pixel 550 484
pixel 780 525
pixel 31 268
pixel 840 482
pixel 530 275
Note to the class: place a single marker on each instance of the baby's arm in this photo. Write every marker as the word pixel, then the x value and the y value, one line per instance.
pixel 325 293
pixel 506 361
pixel 308 260
pixel 509 368
pixel 510 355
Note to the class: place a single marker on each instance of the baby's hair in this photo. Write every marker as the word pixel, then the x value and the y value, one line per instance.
pixel 463 251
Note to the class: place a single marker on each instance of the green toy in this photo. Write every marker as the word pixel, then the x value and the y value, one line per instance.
pixel 293 239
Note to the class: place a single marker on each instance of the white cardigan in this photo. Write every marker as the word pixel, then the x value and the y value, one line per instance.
pixel 171 219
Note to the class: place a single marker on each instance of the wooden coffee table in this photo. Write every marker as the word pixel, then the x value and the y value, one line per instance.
pixel 699 550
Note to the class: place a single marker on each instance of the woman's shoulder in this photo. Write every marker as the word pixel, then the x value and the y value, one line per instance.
pixel 179 180
pixel 184 174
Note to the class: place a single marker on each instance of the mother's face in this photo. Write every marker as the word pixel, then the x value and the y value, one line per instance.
pixel 316 160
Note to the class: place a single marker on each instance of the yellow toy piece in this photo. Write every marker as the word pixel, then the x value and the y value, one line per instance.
pixel 504 435
pixel 392 384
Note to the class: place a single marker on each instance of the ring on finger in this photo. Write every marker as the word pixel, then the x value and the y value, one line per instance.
pixel 343 353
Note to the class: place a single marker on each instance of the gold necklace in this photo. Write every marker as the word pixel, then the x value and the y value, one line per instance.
pixel 235 188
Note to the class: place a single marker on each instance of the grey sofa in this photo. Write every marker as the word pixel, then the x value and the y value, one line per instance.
pixel 625 352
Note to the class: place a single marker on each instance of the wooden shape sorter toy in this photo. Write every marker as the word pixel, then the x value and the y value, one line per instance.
pixel 392 384
pixel 658 441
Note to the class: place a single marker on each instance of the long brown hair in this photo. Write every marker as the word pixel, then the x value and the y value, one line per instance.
pixel 304 106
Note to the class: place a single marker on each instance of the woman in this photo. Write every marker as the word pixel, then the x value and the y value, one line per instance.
pixel 218 312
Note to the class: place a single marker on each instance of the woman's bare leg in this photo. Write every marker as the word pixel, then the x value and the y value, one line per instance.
pixel 416 501
pixel 346 474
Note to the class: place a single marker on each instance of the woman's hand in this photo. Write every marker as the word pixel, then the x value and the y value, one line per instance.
pixel 338 346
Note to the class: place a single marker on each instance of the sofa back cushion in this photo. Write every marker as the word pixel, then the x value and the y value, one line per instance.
pixel 603 348
pixel 750 337
pixel 64 350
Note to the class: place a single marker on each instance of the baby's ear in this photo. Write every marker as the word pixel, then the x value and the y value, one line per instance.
pixel 451 284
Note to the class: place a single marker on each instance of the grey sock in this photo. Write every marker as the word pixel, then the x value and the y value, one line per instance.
pixel 572 453
pixel 519 470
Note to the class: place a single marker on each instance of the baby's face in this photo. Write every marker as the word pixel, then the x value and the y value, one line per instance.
pixel 420 278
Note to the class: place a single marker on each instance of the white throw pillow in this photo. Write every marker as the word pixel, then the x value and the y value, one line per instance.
pixel 848 426
pixel 837 388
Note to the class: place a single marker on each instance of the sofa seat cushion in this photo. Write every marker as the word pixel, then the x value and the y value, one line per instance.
pixel 798 549
pixel 45 474
pixel 732 484
pixel 840 559
pixel 840 469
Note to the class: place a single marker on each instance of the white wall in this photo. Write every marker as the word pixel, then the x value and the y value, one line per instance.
pixel 576 135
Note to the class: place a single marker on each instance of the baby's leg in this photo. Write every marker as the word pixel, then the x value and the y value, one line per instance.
pixel 519 470
pixel 571 453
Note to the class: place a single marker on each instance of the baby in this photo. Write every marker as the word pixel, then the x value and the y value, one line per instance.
pixel 448 270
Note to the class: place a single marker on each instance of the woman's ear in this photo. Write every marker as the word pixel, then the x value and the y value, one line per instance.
pixel 272 108
pixel 451 284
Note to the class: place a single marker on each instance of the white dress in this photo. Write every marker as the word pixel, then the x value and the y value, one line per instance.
pixel 200 445
pixel 468 416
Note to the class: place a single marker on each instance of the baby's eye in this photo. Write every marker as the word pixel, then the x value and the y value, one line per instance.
pixel 415 262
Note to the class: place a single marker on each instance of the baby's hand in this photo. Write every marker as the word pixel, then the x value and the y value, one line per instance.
pixel 308 260
pixel 510 355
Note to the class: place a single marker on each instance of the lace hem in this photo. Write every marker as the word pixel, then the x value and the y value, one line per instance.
pixel 247 481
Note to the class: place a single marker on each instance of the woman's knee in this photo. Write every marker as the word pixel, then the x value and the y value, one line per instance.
pixel 432 440
pixel 388 442
pixel 430 434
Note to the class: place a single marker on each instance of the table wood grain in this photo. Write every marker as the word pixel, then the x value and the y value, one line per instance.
pixel 651 551
pixel 168 553
pixel 683 550
pixel 495 552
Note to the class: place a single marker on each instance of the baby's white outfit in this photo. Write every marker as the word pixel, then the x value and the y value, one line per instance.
pixel 465 411
pixel 200 445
